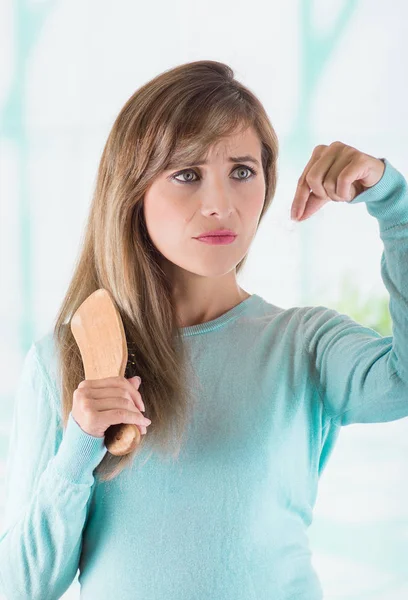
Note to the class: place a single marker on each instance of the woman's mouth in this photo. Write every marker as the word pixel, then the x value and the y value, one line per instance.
pixel 217 239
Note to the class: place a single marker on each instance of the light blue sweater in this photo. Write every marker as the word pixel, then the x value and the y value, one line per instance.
pixel 229 519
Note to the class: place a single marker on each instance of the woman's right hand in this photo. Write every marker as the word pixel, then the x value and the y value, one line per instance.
pixel 100 403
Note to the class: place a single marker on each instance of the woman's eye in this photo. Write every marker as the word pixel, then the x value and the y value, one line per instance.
pixel 183 173
pixel 190 180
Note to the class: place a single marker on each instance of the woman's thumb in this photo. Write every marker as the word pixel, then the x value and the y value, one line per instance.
pixel 136 381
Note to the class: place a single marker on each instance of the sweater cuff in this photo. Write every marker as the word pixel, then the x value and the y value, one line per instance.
pixel 78 454
pixel 387 199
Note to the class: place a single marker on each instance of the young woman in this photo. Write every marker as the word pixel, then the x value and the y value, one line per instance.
pixel 244 399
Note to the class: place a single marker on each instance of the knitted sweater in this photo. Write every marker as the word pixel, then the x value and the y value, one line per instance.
pixel 228 519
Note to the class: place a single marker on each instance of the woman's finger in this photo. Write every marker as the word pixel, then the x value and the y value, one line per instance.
pixel 303 189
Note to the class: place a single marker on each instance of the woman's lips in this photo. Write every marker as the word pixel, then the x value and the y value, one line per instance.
pixel 217 239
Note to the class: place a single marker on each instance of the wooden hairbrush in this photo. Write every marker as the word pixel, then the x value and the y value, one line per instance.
pixel 98 330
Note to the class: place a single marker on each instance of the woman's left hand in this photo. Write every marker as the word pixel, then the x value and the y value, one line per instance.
pixel 337 172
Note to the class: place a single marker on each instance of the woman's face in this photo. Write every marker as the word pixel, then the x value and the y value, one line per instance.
pixel 179 206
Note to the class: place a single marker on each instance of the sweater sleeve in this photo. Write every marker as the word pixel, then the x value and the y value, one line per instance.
pixel 49 480
pixel 361 376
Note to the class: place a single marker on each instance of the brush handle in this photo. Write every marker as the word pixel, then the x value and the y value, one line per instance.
pixel 98 330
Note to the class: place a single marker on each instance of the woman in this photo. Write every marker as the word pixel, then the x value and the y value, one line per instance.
pixel 245 396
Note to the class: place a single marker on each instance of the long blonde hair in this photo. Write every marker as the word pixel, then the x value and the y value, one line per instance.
pixel 177 116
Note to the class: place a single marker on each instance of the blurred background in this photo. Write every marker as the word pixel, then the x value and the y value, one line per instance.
pixel 325 71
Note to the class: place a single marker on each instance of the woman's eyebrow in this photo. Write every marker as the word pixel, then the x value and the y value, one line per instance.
pixel 233 159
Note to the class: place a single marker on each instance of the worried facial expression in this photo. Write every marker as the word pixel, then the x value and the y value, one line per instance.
pixel 190 200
